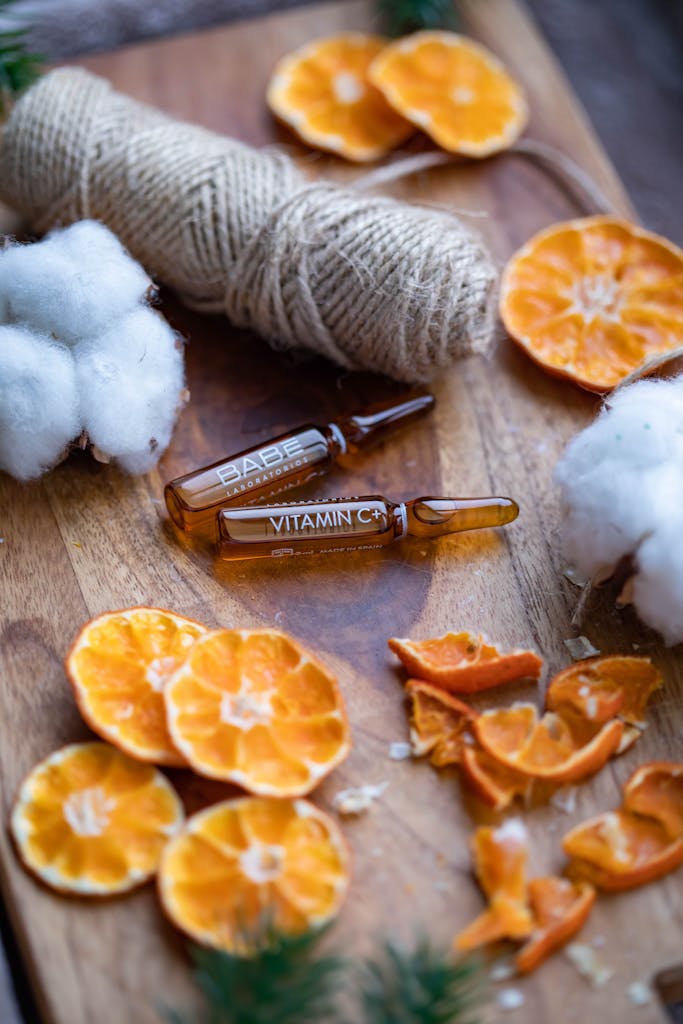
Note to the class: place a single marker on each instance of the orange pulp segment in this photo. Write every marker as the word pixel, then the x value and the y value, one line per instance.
pixel 252 860
pixel 543 748
pixel 118 666
pixel 452 88
pixel 464 663
pixel 91 821
pixel 500 858
pixel 253 707
pixel 438 722
pixel 493 783
pixel 322 91
pixel 593 299
pixel 560 909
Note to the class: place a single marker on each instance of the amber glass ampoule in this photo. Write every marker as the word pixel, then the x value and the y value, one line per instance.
pixel 285 462
pixel 333 524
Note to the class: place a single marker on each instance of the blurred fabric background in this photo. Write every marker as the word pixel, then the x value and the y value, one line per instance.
pixel 623 57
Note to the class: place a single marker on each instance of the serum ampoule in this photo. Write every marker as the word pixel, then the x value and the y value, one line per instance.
pixel 284 462
pixel 334 524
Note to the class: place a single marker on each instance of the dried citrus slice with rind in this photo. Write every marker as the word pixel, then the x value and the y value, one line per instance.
pixel 464 663
pixel 599 689
pixel 322 91
pixel 250 861
pixel 560 909
pixel 500 859
pixel 454 89
pixel 655 790
pixel 118 666
pixel 544 748
pixel 438 722
pixel 91 821
pixel 593 299
pixel 254 708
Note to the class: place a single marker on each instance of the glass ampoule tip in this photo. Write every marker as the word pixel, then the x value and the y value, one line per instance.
pixel 436 516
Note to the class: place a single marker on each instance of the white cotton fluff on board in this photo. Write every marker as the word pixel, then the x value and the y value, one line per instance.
pixel 621 481
pixel 81 351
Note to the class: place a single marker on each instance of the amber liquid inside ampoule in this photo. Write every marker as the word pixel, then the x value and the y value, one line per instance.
pixel 301 528
pixel 285 462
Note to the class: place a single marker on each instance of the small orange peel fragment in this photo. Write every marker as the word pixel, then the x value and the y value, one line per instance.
pixel 454 89
pixel 118 666
pixel 322 91
pixel 464 663
pixel 544 748
pixel 500 859
pixel 640 841
pixel 560 909
pixel 250 860
pixel 599 689
pixel 593 299
pixel 90 821
pixel 254 708
pixel 439 722
pixel 493 783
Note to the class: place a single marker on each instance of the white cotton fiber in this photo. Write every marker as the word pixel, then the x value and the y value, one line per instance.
pixel 82 351
pixel 71 285
pixel 38 402
pixel 132 366
pixel 622 490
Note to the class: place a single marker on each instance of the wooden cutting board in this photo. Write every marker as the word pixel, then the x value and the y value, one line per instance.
pixel 87 539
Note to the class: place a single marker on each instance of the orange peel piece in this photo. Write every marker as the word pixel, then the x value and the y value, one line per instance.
pixel 250 860
pixel 90 821
pixel 118 666
pixel 493 783
pixel 544 748
pixel 593 299
pixel 454 89
pixel 464 663
pixel 323 92
pixel 254 708
pixel 500 858
pixel 640 841
pixel 599 689
pixel 439 723
pixel 560 909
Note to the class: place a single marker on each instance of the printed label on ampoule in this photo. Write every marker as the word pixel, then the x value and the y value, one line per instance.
pixel 262 465
pixel 355 520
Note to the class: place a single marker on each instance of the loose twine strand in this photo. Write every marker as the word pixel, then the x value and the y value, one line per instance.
pixel 365 280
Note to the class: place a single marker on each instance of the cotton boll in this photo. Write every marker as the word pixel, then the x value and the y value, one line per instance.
pixel 621 481
pixel 72 285
pixel 130 380
pixel 38 402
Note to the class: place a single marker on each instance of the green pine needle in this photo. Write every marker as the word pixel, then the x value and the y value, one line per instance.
pixel 424 986
pixel 18 67
pixel 401 17
pixel 284 982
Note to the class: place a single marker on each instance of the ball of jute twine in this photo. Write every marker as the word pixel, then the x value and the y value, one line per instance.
pixel 367 281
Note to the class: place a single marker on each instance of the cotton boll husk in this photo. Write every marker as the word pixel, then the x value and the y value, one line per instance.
pixel 130 380
pixel 621 482
pixel 39 413
pixel 73 284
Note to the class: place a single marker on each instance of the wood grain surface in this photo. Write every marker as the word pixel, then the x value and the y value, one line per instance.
pixel 87 539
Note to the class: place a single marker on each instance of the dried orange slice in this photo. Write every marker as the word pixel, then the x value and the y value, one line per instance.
pixel 454 89
pixel 323 92
pixel 493 783
pixel 656 791
pixel 253 707
pixel 464 663
pixel 560 910
pixel 118 666
pixel 500 857
pixel 438 722
pixel 593 299
pixel 255 859
pixel 543 748
pixel 90 821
